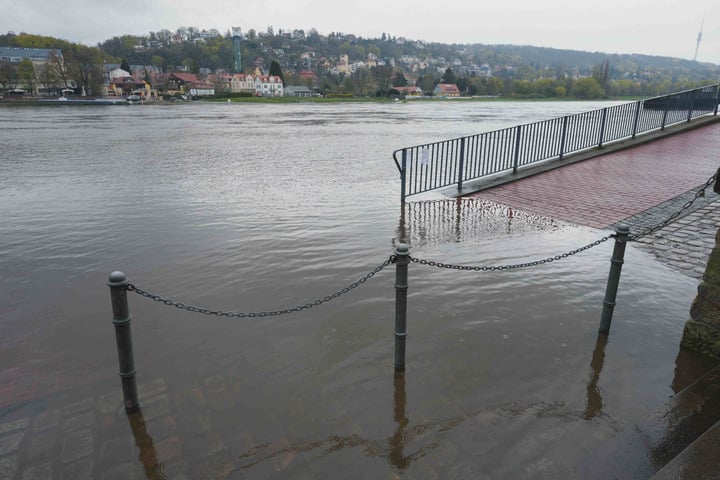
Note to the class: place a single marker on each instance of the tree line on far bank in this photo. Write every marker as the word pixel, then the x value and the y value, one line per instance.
pixel 83 64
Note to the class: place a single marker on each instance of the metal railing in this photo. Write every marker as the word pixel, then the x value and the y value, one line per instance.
pixel 452 162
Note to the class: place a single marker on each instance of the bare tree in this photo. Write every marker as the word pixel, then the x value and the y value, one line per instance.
pixel 84 64
pixel 48 78
pixel 8 76
pixel 27 76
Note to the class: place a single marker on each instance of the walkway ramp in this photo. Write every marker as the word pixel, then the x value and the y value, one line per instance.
pixel 617 185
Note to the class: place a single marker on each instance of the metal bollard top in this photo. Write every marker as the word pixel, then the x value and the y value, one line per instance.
pixel 117 279
pixel 402 249
pixel 622 229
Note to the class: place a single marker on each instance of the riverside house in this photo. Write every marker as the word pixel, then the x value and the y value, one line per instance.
pixel 260 85
pixel 446 90
pixel 183 84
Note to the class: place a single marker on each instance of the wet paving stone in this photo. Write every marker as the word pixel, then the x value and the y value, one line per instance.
pixel 117 451
pixel 79 407
pixel 42 471
pixel 42 446
pixel 218 467
pixel 10 442
pixel 150 389
pixel 46 420
pixel 156 407
pixel 8 467
pixel 191 399
pixel 111 403
pixel 77 445
pixel 79 422
pixel 215 383
pixel 120 472
pixel 207 445
pixel 14 425
pixel 169 449
pixel 196 422
pixel 161 427
pixel 177 470
pixel 81 470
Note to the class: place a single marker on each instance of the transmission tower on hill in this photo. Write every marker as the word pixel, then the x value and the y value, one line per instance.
pixel 699 38
pixel 237 39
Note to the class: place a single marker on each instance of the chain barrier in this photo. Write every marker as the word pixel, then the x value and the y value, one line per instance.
pixel 674 216
pixel 220 313
pixel 495 268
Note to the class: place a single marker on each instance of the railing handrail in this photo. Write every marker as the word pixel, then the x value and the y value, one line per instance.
pixel 547 140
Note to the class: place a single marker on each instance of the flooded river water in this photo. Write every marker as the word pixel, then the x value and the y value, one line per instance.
pixel 253 208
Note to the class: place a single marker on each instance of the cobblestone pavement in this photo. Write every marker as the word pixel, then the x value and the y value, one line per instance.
pixel 93 439
pixel 684 244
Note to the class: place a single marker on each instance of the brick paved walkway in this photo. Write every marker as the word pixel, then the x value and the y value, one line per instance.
pixel 605 190
pixel 640 187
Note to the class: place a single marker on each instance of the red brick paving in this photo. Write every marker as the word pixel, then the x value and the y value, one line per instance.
pixel 604 190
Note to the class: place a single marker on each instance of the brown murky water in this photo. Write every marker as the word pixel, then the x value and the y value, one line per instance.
pixel 253 208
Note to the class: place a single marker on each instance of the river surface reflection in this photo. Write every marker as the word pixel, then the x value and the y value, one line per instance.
pixel 265 207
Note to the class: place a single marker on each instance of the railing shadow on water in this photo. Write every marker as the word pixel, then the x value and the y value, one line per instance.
pixel 432 222
pixel 442 164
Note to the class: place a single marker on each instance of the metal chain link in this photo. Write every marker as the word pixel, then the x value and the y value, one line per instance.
pixel 494 268
pixel 220 313
pixel 688 204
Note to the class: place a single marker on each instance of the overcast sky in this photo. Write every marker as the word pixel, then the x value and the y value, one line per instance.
pixel 653 27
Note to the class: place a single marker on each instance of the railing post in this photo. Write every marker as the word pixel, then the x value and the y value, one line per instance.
pixel 402 254
pixel 717 100
pixel 637 119
pixel 403 175
pixel 121 319
pixel 461 164
pixel 563 137
pixel 621 237
pixel 518 133
pixel 602 126
pixel 692 105
pixel 667 106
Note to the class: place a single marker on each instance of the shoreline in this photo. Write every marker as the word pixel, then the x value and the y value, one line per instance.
pixel 43 102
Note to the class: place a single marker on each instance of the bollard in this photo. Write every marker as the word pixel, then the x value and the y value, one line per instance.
pixel 621 237
pixel 121 319
pixel 401 288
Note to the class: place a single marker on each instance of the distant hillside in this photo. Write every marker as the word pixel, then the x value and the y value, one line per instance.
pixel 346 63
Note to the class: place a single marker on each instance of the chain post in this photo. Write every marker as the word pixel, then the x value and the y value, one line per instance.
pixel 117 281
pixel 402 254
pixel 616 263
